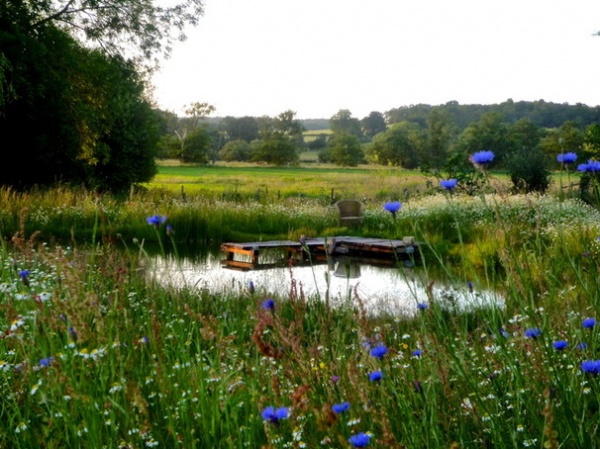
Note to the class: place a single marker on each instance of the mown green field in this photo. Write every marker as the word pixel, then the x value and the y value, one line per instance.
pixel 248 180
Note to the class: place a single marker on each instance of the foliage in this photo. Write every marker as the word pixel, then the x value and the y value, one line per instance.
pixel 398 146
pixel 280 140
pixel 85 113
pixel 6 89
pixel 591 142
pixel 490 132
pixel 243 128
pixel 197 145
pixel 235 150
pixel 543 114
pixel 440 136
pixel 345 149
pixel 528 171
pixel 373 124
pixel 343 122
pixel 276 148
pixel 471 179
pixel 318 143
pixel 567 137
pixel 525 134
pixel 127 27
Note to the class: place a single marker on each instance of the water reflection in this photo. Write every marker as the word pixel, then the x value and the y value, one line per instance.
pixel 391 290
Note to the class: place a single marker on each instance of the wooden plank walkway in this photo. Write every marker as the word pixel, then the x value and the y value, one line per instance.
pixel 364 250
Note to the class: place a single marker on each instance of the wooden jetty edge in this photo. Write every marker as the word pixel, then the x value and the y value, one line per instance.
pixel 375 251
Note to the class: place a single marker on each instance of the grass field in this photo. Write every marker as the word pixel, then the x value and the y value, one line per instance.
pixel 324 182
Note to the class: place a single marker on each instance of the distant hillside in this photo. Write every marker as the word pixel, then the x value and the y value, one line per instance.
pixel 541 113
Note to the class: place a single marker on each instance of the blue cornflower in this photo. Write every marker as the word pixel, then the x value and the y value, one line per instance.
pixel 566 158
pixel 582 346
pixel 533 332
pixel 156 220
pixel 593 166
pixel 46 362
pixel 359 440
pixel 470 286
pixel 375 376
pixel 169 229
pixel 589 166
pixel 417 353
pixel 590 366
pixel 24 274
pixel 393 207
pixel 422 305
pixel 560 345
pixel 379 351
pixel 504 333
pixel 588 323
pixel 274 415
pixel 251 288
pixel 483 157
pixel 340 408
pixel 448 184
pixel 268 304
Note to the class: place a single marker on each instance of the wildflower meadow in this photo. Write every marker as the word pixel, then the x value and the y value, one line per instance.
pixel 95 353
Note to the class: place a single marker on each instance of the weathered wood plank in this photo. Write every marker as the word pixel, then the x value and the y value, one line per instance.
pixel 361 249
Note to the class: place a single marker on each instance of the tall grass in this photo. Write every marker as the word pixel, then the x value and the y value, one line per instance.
pixel 96 353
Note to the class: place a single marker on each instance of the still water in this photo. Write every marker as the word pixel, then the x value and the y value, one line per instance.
pixel 391 290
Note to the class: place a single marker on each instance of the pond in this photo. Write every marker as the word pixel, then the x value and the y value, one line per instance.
pixel 381 290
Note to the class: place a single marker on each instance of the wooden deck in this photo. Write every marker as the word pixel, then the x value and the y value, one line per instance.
pixel 247 256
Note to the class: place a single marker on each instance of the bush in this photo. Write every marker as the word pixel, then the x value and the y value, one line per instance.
pixel 528 172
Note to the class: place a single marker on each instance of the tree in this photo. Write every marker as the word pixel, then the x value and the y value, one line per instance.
pixel 568 137
pixel 398 146
pixel 130 130
pixel 280 140
pixel 439 136
pixel 373 124
pixel 488 133
pixel 6 89
pixel 528 170
pixel 197 146
pixel 343 122
pixel 195 112
pixel 84 112
pixel 345 149
pixel 591 142
pixel 244 128
pixel 525 134
pixel 84 108
pixel 275 148
pixel 137 29
pixel 235 150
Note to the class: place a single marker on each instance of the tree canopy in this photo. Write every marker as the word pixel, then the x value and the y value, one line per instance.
pixel 136 29
pixel 72 93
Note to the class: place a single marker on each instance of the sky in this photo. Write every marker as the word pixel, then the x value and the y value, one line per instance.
pixel 316 57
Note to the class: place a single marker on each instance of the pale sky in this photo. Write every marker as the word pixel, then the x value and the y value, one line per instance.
pixel 316 57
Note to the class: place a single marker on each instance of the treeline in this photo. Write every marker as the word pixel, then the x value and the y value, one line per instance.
pixel 541 113
pixel 435 139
